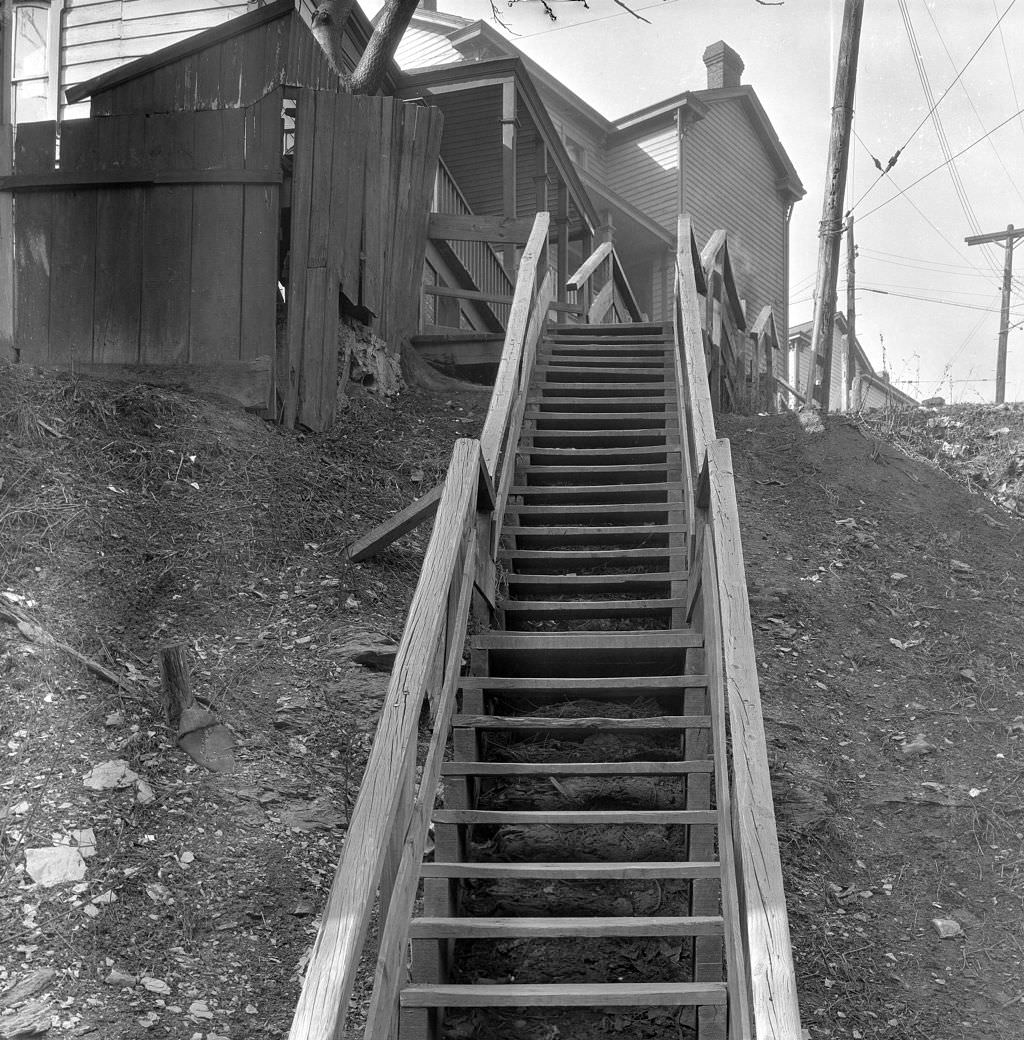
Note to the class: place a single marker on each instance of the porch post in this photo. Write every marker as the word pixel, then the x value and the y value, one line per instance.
pixel 562 220
pixel 508 164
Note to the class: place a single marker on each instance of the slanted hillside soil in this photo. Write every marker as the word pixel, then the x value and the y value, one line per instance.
pixel 887 605
pixel 886 609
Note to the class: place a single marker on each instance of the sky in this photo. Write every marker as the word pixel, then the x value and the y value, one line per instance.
pixel 910 245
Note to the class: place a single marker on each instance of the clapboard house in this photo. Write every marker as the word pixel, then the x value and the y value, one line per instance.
pixel 854 385
pixel 710 152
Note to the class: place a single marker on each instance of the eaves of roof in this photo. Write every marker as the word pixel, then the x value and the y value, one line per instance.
pixel 663 113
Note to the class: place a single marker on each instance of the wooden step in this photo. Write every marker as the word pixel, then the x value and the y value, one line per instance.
pixel 581 994
pixel 577 475
pixel 660 652
pixel 594 534
pixel 654 436
pixel 624 686
pixel 576 390
pixel 675 870
pixel 561 927
pixel 522 610
pixel 542 724
pixel 632 409
pixel 654 491
pixel 603 509
pixel 579 818
pixel 572 561
pixel 599 404
pixel 681 768
pixel 592 455
pixel 586 358
pixel 599 374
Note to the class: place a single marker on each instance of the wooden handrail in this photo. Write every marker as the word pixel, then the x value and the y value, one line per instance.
pixel 615 288
pixel 388 828
pixel 588 267
pixel 763 1001
pixel 506 383
pixel 384 808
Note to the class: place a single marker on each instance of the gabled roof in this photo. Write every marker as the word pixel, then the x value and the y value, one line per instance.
pixel 456 27
pixel 802 332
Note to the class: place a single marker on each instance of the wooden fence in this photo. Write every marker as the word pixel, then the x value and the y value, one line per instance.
pixel 152 252
pixel 762 994
pixel 153 244
pixel 388 829
pixel 602 291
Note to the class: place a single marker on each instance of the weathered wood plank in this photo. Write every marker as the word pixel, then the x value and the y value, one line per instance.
pixel 72 276
pixel 119 253
pixel 551 927
pixel 453 227
pixel 597 817
pixel 330 976
pixel 6 253
pixel 602 303
pixel 774 997
pixel 401 523
pixel 575 769
pixel 572 871
pixel 217 223
pixel 506 383
pixel 390 971
pixel 588 267
pixel 302 192
pixel 581 994
pixel 540 724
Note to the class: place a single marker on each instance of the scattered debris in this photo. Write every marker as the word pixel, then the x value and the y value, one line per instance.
pixel 917 746
pixel 946 928
pixel 110 776
pixel 58 865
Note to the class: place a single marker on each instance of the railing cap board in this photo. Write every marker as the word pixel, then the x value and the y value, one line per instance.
pixel 588 267
pixel 330 977
pixel 685 233
pixel 773 981
pixel 716 254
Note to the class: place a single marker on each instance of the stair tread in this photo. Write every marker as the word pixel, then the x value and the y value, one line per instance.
pixel 546 927
pixel 679 768
pixel 567 871
pixel 588 529
pixel 564 994
pixel 658 722
pixel 624 817
pixel 596 607
pixel 670 639
pixel 525 490
pixel 526 447
pixel 625 683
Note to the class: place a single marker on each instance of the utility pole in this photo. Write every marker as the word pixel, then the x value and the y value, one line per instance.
pixel 851 308
pixel 1009 236
pixel 832 209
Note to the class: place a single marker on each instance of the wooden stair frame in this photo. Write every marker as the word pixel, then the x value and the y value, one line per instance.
pixel 645 452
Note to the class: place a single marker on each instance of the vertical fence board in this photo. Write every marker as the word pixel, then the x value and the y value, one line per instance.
pixel 344 135
pixel 6 251
pixel 117 308
pixel 33 224
pixel 352 204
pixel 216 241
pixel 378 161
pixel 302 188
pixel 72 277
pixel 259 236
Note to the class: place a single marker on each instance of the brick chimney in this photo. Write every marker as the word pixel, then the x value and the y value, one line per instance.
pixel 725 66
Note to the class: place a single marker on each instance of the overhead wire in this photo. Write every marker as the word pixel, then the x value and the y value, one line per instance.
pixel 895 157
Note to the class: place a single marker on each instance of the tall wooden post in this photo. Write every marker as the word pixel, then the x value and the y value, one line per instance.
pixel 832 208
pixel 1009 236
pixel 851 312
pixel 562 258
pixel 509 194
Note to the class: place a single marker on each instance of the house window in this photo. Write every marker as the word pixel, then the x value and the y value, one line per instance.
pixel 576 152
pixel 35 31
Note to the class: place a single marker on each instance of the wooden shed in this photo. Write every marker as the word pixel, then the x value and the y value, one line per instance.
pixel 157 237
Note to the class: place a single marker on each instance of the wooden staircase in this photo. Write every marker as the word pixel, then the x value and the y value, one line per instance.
pixel 575 884
pixel 579 840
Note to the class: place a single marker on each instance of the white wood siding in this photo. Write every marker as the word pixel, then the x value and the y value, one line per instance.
pixel 421 48
pixel 729 182
pixel 645 171
pixel 471 145
pixel 99 36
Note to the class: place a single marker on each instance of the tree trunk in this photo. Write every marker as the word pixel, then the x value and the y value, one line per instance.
pixel 329 29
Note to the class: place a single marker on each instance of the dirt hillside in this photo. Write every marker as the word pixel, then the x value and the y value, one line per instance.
pixel 887 606
pixel 887 616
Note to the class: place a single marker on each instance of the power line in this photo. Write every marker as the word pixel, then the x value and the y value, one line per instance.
pixel 942 165
pixel 970 99
pixel 927 299
pixel 895 156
